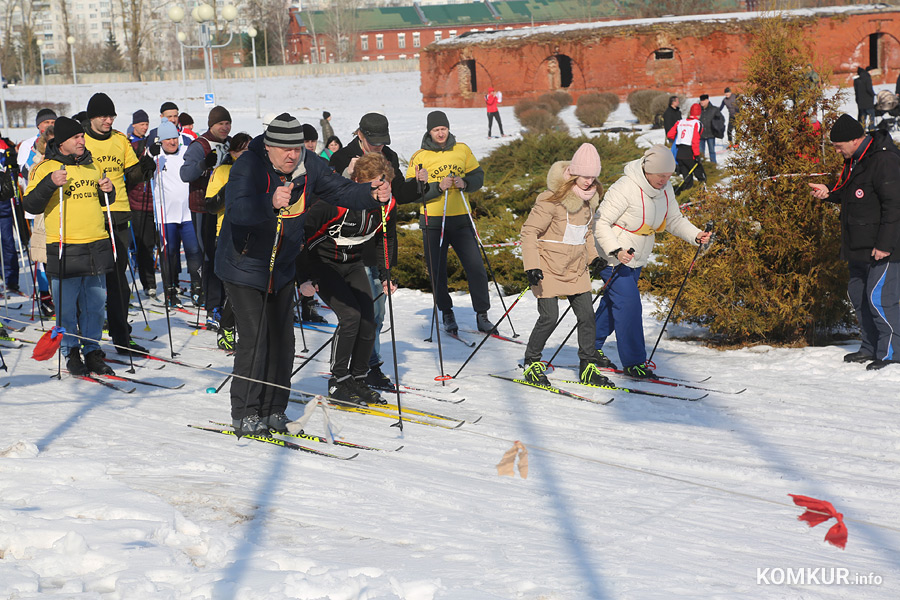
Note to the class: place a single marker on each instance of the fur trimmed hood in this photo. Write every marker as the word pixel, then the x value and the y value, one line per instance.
pixel 571 202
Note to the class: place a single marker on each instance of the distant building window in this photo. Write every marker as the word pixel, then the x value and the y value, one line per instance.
pixel 664 54
pixel 401 40
pixel 379 57
pixel 366 58
pixel 323 53
pixel 416 56
pixel 474 30
pixel 236 58
pixel 364 42
pixel 489 29
pixel 507 29
pixel 402 57
pixel 437 36
pixel 452 33
pixel 416 40
pixel 379 41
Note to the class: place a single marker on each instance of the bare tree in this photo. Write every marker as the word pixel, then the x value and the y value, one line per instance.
pixel 138 25
pixel 278 19
pixel 342 26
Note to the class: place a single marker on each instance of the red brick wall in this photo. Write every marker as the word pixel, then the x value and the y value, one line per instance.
pixel 708 56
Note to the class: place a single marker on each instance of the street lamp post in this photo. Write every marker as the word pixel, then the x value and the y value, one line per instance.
pixel 40 45
pixel 71 41
pixel 203 14
pixel 252 33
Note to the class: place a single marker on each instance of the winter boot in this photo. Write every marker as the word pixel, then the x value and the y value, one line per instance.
pixel 74 364
pixel 172 298
pixel 276 422
pixel 484 325
pixel 250 425
pixel 94 363
pixel 641 371
pixel 225 339
pixel 345 391
pixel 132 348
pixel 535 373
pixel 47 309
pixel 308 310
pixel 858 357
pixel 449 319
pixel 368 395
pixel 378 380
pixel 196 294
pixel 591 375
pixel 603 361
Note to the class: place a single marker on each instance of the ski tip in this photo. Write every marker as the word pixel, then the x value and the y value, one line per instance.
pixel 741 391
pixel 475 421
pixel 698 398
pixel 398 449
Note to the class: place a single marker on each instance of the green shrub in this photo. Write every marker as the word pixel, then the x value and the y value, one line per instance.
pixel 641 102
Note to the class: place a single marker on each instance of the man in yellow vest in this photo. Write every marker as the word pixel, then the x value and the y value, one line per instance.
pixel 69 188
pixel 114 156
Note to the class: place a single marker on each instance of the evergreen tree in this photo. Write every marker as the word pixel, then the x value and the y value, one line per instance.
pixel 774 273
pixel 111 58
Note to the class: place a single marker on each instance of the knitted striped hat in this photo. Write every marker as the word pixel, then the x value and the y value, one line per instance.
pixel 285 131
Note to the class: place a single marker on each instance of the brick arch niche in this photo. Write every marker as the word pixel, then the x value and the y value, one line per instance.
pixel 558 72
pixel 469 77
pixel 665 68
pixel 879 50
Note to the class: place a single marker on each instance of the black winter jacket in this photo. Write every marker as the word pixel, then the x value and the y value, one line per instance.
pixel 248 228
pixel 868 191
pixel 862 87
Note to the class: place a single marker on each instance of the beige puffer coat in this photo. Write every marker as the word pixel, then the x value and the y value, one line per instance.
pixel 628 205
pixel 565 266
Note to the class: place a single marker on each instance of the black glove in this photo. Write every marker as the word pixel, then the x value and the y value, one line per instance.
pixel 148 167
pixel 211 159
pixel 535 276
pixel 154 148
pixel 597 265
pixel 103 197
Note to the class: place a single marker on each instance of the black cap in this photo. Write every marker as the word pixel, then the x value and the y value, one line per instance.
pixel 45 114
pixel 140 116
pixel 185 119
pixel 325 114
pixel 66 128
pixel 704 97
pixel 168 105
pixel 374 126
pixel 845 129
pixel 100 105
pixel 309 133
pixel 437 118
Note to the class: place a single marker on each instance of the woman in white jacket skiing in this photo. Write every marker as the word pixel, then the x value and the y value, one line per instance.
pixel 635 208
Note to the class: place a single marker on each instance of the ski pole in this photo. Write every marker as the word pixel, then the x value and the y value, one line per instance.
pixel 431 269
pixel 708 228
pixel 387 267
pixel 164 265
pixel 602 291
pixel 487 263
pixel 487 336
pixel 112 238
pixel 35 298
pixel 62 269
pixel 299 313
pixel 134 284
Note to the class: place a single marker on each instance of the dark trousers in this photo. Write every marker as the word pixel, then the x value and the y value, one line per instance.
pixel 548 315
pixel 688 169
pixel 346 290
pixel 213 290
pixel 8 247
pixel 144 229
pixel 874 290
pixel 272 360
pixel 620 310
pixel 117 291
pixel 494 116
pixel 459 235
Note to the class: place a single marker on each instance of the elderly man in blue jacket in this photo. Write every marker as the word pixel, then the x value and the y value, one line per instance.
pixel 262 234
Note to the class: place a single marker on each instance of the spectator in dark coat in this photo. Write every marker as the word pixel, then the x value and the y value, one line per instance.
pixel 865 98
pixel 671 116
pixel 729 102
pixel 713 127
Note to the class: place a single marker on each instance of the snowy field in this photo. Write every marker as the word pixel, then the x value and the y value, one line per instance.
pixel 107 495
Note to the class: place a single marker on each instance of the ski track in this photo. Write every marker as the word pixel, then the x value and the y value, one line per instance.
pixel 108 495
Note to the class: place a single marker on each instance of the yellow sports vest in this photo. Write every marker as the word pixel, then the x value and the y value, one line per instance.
pixel 216 183
pixel 84 218
pixel 112 156
pixel 457 161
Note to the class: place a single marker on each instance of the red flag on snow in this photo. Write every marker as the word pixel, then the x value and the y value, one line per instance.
pixel 819 511
pixel 48 345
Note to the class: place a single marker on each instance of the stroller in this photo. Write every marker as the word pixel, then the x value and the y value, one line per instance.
pixel 887 107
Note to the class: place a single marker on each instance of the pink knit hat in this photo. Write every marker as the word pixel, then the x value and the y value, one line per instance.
pixel 585 163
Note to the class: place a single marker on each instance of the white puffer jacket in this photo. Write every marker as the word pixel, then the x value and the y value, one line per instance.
pixel 632 202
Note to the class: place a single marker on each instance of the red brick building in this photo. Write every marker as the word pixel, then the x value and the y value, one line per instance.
pixel 690 55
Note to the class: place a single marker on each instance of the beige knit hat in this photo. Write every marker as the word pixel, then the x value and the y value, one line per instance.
pixel 658 159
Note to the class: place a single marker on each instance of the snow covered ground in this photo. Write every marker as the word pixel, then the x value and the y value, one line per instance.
pixel 109 495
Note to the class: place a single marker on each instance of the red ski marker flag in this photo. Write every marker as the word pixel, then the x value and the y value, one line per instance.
pixel 819 511
pixel 48 345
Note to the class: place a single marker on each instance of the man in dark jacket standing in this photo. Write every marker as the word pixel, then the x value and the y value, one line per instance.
pixel 865 97
pixel 671 116
pixel 868 191
pixel 373 135
pixel 262 234
pixel 140 198
pixel 713 127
